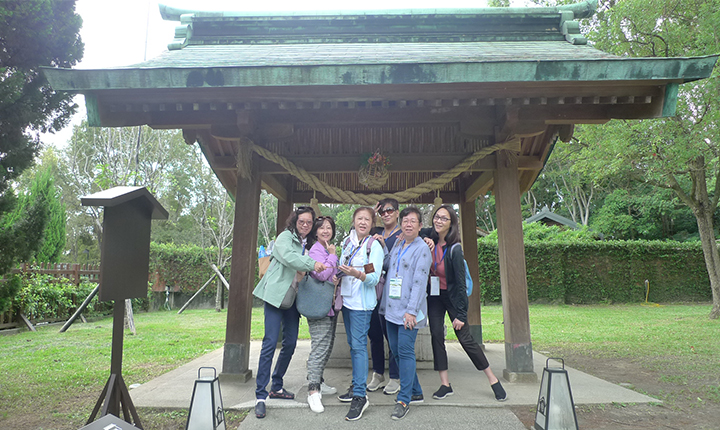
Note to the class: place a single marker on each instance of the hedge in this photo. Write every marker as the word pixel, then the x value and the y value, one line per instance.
pixel 603 272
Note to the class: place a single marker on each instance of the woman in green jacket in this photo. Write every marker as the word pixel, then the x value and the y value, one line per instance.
pixel 289 257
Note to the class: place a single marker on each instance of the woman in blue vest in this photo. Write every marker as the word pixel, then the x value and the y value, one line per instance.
pixel 289 257
pixel 448 294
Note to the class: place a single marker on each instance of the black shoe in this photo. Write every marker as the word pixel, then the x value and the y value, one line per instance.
pixel 282 394
pixel 443 392
pixel 347 397
pixel 260 409
pixel 357 407
pixel 417 398
pixel 500 394
pixel 401 409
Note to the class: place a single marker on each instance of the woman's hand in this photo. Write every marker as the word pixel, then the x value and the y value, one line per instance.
pixel 319 267
pixel 457 324
pixel 329 247
pixel 410 321
pixel 351 271
pixel 430 243
pixel 380 239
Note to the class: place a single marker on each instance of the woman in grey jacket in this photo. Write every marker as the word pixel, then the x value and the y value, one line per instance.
pixel 288 258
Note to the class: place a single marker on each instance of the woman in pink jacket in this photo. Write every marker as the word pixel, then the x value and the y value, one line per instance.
pixel 322 330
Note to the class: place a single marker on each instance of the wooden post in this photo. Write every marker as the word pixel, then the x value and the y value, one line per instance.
pixel 236 355
pixel 284 208
pixel 513 277
pixel 468 231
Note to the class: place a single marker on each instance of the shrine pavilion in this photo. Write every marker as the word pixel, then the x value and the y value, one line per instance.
pixel 462 101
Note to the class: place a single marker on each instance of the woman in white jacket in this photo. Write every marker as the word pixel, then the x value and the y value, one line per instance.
pixel 361 263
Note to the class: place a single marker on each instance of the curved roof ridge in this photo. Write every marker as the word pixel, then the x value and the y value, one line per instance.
pixel 583 9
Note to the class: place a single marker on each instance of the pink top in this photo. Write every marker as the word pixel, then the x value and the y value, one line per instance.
pixel 319 253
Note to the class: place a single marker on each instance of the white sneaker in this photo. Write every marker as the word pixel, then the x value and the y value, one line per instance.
pixel 315 402
pixel 326 389
pixel 392 387
pixel 375 382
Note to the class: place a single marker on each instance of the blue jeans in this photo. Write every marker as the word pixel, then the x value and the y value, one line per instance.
pixel 377 335
pixel 402 344
pixel 274 318
pixel 357 324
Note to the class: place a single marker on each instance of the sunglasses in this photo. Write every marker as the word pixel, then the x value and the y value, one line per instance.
pixel 386 211
pixel 323 218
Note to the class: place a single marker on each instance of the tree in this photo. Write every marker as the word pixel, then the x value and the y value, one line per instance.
pixel 42 191
pixel 99 158
pixel 33 33
pixel 679 153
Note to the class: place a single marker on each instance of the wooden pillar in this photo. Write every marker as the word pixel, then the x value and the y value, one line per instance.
pixel 285 207
pixel 468 232
pixel 236 355
pixel 513 277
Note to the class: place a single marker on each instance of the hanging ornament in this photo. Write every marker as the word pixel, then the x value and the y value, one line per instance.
pixel 438 200
pixel 373 171
pixel 314 204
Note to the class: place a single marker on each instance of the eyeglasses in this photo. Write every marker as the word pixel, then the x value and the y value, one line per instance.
pixel 441 218
pixel 305 223
pixel 382 212
pixel 410 221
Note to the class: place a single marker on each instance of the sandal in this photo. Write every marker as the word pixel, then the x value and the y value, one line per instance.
pixel 282 394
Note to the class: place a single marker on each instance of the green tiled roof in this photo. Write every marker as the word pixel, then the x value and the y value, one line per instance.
pixel 370 53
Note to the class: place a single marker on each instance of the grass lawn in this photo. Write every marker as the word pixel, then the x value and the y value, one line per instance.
pixel 59 376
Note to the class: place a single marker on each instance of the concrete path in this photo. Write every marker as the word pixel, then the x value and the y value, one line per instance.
pixel 472 405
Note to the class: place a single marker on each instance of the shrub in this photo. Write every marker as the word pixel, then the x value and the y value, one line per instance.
pixel 603 271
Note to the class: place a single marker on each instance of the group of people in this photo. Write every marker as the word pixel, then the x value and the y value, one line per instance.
pixel 390 282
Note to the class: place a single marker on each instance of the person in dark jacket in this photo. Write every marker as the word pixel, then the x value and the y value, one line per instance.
pixel 448 294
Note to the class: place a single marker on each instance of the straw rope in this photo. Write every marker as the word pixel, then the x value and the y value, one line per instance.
pixel 371 199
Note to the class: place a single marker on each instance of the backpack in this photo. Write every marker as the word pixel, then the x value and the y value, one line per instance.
pixel 468 278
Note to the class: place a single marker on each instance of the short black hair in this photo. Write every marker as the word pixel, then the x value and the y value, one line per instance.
pixel 411 210
pixel 392 202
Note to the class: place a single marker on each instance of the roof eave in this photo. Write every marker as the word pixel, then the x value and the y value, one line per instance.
pixel 662 70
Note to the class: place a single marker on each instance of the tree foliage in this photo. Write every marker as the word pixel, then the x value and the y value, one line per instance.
pixel 33 33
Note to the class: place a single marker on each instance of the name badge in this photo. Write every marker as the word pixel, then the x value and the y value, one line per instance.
pixel 434 286
pixel 345 286
pixel 395 290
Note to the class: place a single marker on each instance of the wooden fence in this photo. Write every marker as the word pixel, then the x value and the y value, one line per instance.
pixel 73 272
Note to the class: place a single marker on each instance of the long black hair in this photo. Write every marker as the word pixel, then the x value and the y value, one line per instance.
pixel 312 236
pixel 453 235
pixel 292 219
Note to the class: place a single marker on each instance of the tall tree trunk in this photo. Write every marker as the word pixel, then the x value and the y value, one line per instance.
pixel 712 257
pixel 703 208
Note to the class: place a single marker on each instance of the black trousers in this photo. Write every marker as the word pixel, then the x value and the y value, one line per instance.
pixel 437 307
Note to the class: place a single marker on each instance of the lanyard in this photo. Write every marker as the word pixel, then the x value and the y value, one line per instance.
pixel 353 252
pixel 399 257
pixel 435 261
pixel 391 232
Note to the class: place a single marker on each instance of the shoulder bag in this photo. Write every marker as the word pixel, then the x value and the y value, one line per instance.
pixel 314 298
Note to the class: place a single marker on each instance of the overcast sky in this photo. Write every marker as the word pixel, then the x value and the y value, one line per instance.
pixel 120 33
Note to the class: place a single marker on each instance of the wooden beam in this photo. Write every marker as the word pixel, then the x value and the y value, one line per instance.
pixel 429 198
pixel 271 184
pixel 479 186
pixel 400 163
